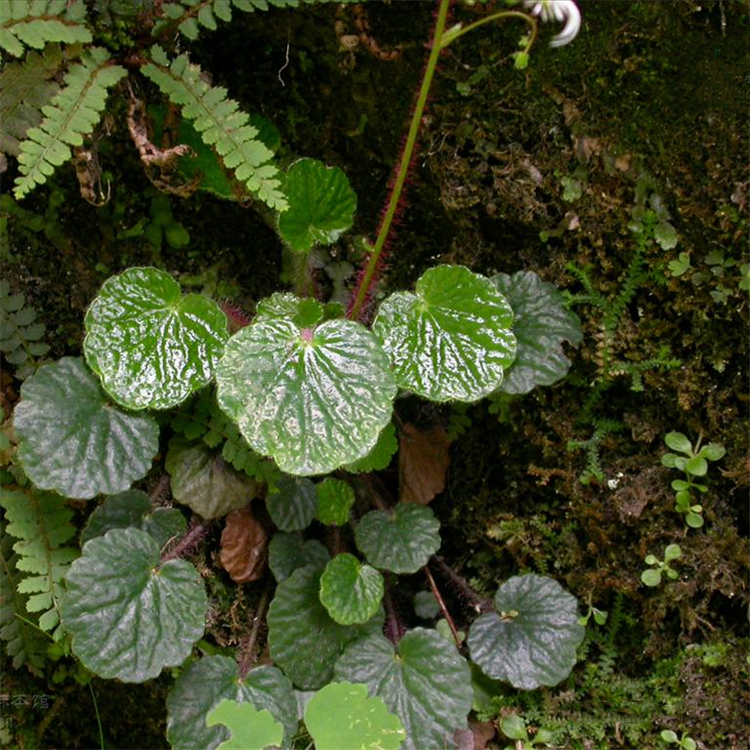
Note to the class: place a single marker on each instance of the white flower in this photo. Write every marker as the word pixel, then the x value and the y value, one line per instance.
pixel 558 10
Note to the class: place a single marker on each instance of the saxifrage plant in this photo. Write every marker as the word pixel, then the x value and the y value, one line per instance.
pixel 304 390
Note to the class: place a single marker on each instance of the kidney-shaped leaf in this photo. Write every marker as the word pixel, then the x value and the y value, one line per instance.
pixel 205 482
pixel 335 499
pixel 293 503
pixel 205 683
pixel 287 552
pixel 531 639
pixel 73 441
pixel 151 346
pixel 340 715
pixel 423 680
pixel 349 590
pixel 452 338
pixel 305 642
pixel 321 205
pixel 134 508
pixel 312 398
pixel 541 324
pixel 251 729
pixel 130 616
pixel 402 540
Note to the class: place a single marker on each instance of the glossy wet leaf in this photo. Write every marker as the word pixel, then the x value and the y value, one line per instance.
pixel 540 325
pixel 129 616
pixel 293 503
pixel 402 540
pixel 205 683
pixel 380 456
pixel 423 680
pixel 203 481
pixel 341 715
pixel 311 398
pixel 451 339
pixel 287 552
pixel 304 640
pixel 73 440
pixel 134 508
pixel 152 346
pixel 532 637
pixel 350 590
pixel 251 729
pixel 335 500
pixel 321 205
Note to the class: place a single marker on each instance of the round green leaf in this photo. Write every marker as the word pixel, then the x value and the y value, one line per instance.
pixel 452 338
pixel 321 205
pixel 340 715
pixel 129 615
pixel 205 482
pixel 311 398
pixel 380 456
pixel 133 508
pixel 73 441
pixel 423 680
pixel 540 325
pixel 205 683
pixel 651 577
pixel 350 591
pixel 697 466
pixel 335 499
pixel 531 639
pixel 672 552
pixel 712 451
pixel 304 640
pixel 287 552
pixel 293 503
pixel 251 729
pixel 678 442
pixel 401 541
pixel 151 346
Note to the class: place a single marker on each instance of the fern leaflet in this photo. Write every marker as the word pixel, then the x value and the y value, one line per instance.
pixel 33 23
pixel 41 523
pixel 20 332
pixel 220 122
pixel 24 644
pixel 72 113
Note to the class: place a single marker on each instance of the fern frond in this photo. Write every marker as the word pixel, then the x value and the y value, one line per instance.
pixel 34 23
pixel 71 114
pixel 20 333
pixel 221 124
pixel 24 643
pixel 41 523
pixel 26 87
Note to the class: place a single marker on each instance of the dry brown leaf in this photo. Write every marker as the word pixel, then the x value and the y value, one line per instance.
pixel 243 546
pixel 475 737
pixel 423 462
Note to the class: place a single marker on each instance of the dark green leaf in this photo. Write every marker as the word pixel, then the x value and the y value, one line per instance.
pixel 350 591
pixel 293 503
pixel 287 552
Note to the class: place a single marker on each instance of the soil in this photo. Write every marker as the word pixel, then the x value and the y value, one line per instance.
pixel 537 169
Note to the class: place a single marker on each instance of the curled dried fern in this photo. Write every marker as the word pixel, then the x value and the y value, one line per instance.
pixel 20 332
pixel 34 23
pixel 71 114
pixel 220 122
pixel 41 523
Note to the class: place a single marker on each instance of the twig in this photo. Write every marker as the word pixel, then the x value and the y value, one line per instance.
pixel 394 629
pixel 248 656
pixel 190 539
pixel 443 608
pixel 477 602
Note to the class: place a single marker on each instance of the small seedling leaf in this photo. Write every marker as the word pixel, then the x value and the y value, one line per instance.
pixel 205 683
pixel 712 451
pixel 304 640
pixel 311 398
pixel 678 442
pixel 425 682
pixel 340 715
pixel 697 466
pixel 73 441
pixel 251 729
pixel 134 508
pixel 451 339
pixel 293 503
pixel 540 325
pixel 672 552
pixel 350 590
pixel 129 616
pixel 651 577
pixel 514 728
pixel 535 642
pixel 151 346
pixel 402 540
pixel 321 205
